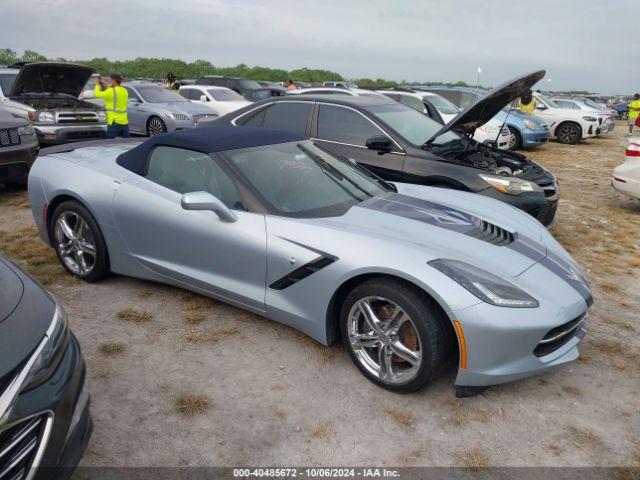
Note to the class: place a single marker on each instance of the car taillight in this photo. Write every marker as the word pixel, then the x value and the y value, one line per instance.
pixel 633 150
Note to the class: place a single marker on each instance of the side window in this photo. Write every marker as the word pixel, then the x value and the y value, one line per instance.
pixel 185 171
pixel 289 116
pixel 452 96
pixel 467 99
pixel 412 102
pixel 185 93
pixel 133 96
pixel 340 124
pixel 254 120
pixel 393 96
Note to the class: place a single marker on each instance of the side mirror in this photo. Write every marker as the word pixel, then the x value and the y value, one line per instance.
pixel 381 143
pixel 206 201
pixel 540 106
pixel 204 98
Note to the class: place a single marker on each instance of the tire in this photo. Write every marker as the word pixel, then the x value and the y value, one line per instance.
pixel 155 126
pixel 569 133
pixel 515 142
pixel 424 335
pixel 74 251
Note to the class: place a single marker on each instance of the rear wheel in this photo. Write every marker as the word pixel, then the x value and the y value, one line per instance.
pixel 78 242
pixel 569 133
pixel 515 141
pixel 394 334
pixel 155 126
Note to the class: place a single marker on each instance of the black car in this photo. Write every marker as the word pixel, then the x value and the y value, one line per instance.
pixel 243 86
pixel 265 92
pixel 400 144
pixel 18 149
pixel 44 399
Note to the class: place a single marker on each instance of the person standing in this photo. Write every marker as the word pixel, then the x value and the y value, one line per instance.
pixel 291 85
pixel 634 112
pixel 115 102
pixel 172 82
pixel 527 103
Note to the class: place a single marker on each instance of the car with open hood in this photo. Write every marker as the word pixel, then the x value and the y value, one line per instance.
pixel 45 423
pixel 154 109
pixel 46 94
pixel 398 143
pixel 408 276
pixel 18 149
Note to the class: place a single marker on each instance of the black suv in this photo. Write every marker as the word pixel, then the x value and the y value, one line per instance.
pixel 400 144
pixel 18 149
pixel 242 86
pixel 44 399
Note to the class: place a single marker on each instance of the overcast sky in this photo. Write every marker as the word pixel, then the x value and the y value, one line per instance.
pixel 582 44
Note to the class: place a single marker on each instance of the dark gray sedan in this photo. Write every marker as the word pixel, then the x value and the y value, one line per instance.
pixel 18 149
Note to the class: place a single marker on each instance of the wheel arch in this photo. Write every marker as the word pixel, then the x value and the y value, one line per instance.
pixel 335 304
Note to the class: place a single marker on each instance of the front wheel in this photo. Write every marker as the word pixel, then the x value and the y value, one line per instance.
pixel 515 141
pixel 155 126
pixel 569 133
pixel 394 334
pixel 78 242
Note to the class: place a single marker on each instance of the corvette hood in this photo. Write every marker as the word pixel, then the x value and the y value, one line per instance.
pixel 50 77
pixel 489 105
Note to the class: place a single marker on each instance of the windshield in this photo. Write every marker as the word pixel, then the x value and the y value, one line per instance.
pixel 224 95
pixel 249 84
pixel 301 180
pixel 443 105
pixel 155 94
pixel 415 127
pixel 547 101
pixel 6 82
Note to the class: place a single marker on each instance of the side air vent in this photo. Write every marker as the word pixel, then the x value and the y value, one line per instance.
pixel 301 273
pixel 488 232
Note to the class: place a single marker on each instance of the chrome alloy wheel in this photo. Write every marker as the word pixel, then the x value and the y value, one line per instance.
pixel 569 133
pixel 513 141
pixel 75 243
pixel 156 127
pixel 384 339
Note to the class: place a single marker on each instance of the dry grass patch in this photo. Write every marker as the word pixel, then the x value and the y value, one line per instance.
pixel 25 247
pixel 15 200
pixel 192 405
pixel 280 413
pixel 619 365
pixel 111 348
pixel 573 391
pixel 475 459
pixel 635 454
pixel 401 417
pixel 621 324
pixel 142 294
pixel 104 370
pixel 582 437
pixel 193 301
pixel 194 318
pixel 133 315
pixel 319 430
pixel 412 457
pixel 553 448
pixel 211 337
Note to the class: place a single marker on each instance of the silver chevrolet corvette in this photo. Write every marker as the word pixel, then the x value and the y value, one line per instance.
pixel 411 278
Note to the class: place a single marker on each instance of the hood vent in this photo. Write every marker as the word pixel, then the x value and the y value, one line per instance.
pixel 490 233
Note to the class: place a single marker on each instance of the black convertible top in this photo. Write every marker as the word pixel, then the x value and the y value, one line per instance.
pixel 204 140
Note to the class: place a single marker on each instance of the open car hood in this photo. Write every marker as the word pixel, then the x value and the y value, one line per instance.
pixel 51 77
pixel 489 105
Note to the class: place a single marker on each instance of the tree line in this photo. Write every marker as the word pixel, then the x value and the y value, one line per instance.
pixel 157 68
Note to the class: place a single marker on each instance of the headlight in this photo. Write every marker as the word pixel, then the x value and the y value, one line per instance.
pixel 26 130
pixel 489 128
pixel 46 117
pixel 590 119
pixel 57 337
pixel 177 116
pixel 510 185
pixel 102 116
pixel 484 285
pixel 531 124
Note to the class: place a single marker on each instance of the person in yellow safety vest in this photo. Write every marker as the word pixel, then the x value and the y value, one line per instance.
pixel 115 102
pixel 634 112
pixel 527 103
pixel 171 81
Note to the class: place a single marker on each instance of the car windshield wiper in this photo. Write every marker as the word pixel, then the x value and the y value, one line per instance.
pixel 332 173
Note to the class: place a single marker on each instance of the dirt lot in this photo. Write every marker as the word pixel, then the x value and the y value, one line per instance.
pixel 177 379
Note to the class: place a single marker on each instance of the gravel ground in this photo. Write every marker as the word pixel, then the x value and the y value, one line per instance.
pixel 177 379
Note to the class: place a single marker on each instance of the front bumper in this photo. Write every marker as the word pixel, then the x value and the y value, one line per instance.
pixel 592 130
pixel 15 161
pixel 56 134
pixel 63 403
pixel 607 126
pixel 542 207
pixel 534 138
pixel 504 344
